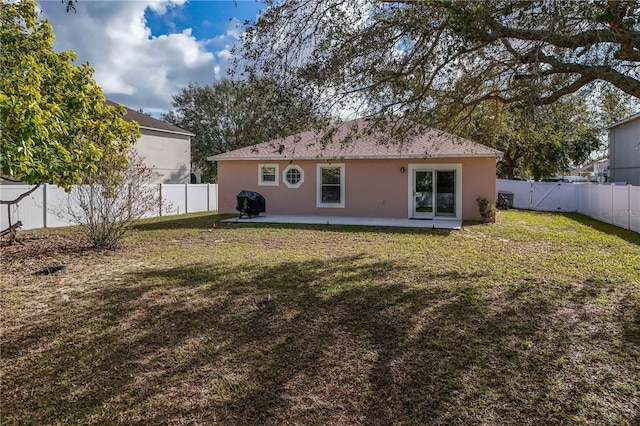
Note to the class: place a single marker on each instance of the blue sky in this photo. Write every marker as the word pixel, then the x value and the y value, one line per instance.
pixel 145 51
pixel 207 19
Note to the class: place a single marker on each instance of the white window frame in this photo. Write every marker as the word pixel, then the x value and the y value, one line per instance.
pixel 284 176
pixel 268 183
pixel 319 168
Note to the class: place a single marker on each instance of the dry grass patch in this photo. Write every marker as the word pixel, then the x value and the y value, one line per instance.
pixel 534 320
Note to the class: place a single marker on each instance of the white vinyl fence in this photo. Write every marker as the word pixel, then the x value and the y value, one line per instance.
pixel 44 207
pixel 615 204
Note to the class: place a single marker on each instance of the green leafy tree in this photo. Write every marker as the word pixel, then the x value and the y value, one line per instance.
pixel 233 114
pixel 54 124
pixel 555 139
pixel 419 58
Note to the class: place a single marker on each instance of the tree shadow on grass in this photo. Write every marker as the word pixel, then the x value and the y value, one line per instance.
pixel 345 341
pixel 625 234
pixel 180 222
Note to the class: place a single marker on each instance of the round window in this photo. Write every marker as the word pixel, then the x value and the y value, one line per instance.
pixel 293 176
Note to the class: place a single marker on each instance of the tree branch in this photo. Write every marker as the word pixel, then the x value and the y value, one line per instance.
pixel 21 197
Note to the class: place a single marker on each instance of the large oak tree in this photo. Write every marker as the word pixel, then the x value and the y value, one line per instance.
pixel 418 58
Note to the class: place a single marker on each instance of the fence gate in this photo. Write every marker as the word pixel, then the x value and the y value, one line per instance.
pixel 553 196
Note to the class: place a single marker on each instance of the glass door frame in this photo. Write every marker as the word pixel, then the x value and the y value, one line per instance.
pixel 414 211
pixel 434 167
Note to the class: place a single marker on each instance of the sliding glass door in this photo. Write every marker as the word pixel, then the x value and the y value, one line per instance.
pixel 434 193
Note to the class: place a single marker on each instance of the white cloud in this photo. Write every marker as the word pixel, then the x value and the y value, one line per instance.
pixel 133 66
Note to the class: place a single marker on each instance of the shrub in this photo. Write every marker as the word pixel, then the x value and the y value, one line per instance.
pixel 105 208
pixel 487 210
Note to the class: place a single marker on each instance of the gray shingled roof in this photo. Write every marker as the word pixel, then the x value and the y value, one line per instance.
pixel 308 146
pixel 151 123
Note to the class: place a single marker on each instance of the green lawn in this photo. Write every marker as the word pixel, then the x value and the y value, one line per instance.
pixel 534 320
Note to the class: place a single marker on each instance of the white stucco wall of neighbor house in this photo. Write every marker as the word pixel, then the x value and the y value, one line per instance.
pixel 168 154
pixel 624 151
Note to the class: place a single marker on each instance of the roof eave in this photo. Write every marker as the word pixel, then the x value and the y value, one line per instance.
pixel 155 129
pixel 623 121
pixel 355 157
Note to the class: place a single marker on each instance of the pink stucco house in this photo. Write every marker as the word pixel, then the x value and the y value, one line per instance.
pixel 435 175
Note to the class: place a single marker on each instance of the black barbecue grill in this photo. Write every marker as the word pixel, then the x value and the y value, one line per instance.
pixel 250 203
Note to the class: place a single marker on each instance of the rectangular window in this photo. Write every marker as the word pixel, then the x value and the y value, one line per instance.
pixel 268 174
pixel 330 185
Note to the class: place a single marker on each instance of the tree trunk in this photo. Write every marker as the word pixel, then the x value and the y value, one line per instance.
pixel 509 165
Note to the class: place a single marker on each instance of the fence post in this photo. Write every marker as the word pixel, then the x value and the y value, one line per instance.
pixel 160 198
pixel 208 199
pixel 530 195
pixel 45 190
pixel 613 218
pixel 629 207
pixel 186 198
pixel 217 196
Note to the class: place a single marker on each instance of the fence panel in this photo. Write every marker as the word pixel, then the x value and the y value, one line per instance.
pixel 605 203
pixel 614 204
pixel 620 208
pixel 213 197
pixel 594 202
pixel 634 208
pixel 47 205
pixel 566 196
pixel 30 210
pixel 521 192
pixel 57 207
pixel 582 198
pixel 173 199
pixel 197 196
pixel 155 189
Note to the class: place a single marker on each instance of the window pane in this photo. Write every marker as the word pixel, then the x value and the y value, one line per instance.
pixel 331 175
pixel 331 194
pixel 293 176
pixel 424 191
pixel 424 181
pixel 446 193
pixel 269 174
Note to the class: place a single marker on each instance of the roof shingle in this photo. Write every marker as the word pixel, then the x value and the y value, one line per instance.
pixel 356 140
pixel 147 122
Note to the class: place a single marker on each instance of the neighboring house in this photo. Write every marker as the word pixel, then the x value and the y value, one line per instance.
pixel 166 148
pixel 596 171
pixel 624 150
pixel 437 175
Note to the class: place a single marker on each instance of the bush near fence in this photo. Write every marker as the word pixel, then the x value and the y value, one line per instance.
pixel 44 207
pixel 618 205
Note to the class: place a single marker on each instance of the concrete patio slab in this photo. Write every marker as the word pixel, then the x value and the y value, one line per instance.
pixel 361 221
